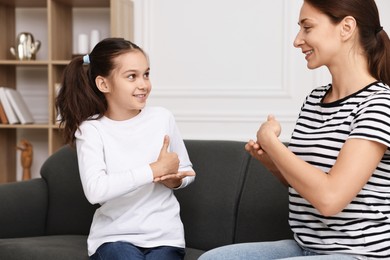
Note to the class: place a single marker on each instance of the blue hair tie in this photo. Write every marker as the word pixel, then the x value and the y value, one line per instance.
pixel 86 59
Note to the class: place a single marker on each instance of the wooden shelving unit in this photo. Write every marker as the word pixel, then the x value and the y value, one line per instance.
pixel 59 51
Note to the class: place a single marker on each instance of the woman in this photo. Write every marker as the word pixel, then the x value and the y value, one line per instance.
pixel 337 164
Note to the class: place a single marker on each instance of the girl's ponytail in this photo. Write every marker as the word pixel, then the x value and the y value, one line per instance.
pixel 78 98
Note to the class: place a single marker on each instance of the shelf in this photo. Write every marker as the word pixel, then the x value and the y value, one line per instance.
pixel 56 23
pixel 25 62
pixel 24 3
pixel 43 3
pixel 34 62
pixel 60 62
pixel 86 3
pixel 26 126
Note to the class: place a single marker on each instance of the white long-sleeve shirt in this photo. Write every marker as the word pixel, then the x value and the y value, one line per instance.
pixel 114 161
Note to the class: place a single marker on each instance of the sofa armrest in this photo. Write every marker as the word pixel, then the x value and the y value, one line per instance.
pixel 23 207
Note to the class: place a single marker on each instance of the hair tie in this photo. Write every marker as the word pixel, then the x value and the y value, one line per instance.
pixel 86 59
pixel 378 29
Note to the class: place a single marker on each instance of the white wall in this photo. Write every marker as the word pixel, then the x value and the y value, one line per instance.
pixel 221 66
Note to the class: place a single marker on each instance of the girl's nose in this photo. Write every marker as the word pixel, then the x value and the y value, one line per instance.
pixel 142 84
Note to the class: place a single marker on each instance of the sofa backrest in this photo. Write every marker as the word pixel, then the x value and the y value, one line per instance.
pixel 69 212
pixel 209 205
pixel 263 207
pixel 23 208
pixel 233 198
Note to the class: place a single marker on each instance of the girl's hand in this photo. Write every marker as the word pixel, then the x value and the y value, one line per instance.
pixel 167 162
pixel 173 180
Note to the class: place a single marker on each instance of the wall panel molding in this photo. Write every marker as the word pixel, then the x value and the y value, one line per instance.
pixel 242 92
pixel 204 109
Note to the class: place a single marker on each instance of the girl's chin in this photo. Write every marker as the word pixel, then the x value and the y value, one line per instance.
pixel 141 106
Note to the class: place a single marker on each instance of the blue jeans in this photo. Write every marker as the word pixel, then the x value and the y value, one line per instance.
pixel 284 249
pixel 127 251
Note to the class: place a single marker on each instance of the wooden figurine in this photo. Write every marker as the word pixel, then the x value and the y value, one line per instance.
pixel 26 158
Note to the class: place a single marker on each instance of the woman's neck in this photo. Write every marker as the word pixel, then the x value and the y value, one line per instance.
pixel 349 78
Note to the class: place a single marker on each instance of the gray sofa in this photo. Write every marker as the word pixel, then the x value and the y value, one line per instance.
pixel 233 199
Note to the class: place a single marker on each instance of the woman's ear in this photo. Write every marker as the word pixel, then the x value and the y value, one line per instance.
pixel 348 27
pixel 101 84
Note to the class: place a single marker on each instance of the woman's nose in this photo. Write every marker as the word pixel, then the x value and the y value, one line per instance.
pixel 298 41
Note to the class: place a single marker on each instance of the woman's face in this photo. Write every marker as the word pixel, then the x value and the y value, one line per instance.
pixel 318 37
pixel 128 86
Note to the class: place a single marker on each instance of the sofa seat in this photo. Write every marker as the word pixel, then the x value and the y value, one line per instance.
pixel 61 247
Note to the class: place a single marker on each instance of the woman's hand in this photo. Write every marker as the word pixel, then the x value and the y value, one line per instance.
pixel 267 131
pixel 255 150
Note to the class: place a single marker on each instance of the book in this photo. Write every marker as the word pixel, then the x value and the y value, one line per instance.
pixel 11 116
pixel 3 116
pixel 57 89
pixel 19 106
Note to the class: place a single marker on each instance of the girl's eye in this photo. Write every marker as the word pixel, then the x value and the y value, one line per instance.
pixel 131 76
pixel 146 75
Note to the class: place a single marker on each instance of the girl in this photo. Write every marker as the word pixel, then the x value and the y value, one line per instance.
pixel 130 156
pixel 337 165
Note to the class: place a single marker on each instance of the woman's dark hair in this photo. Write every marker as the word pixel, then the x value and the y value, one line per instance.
pixel 373 38
pixel 79 98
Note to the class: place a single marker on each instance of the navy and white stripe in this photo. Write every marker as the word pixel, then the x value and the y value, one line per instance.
pixel 363 227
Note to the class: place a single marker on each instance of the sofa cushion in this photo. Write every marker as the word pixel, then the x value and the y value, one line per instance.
pixel 263 207
pixel 69 212
pixel 72 247
pixel 193 254
pixel 23 205
pixel 207 212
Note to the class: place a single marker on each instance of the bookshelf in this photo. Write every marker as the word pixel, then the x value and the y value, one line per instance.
pixel 58 22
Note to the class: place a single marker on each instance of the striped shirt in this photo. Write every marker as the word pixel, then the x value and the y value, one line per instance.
pixel 362 229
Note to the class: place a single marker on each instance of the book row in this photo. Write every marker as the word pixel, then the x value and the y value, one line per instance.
pixel 13 108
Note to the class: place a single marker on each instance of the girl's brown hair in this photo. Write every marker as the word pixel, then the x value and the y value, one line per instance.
pixel 79 98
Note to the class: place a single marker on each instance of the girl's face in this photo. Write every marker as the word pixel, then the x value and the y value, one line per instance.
pixel 128 86
pixel 318 37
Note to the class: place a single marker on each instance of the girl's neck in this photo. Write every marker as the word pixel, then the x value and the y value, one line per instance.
pixel 121 116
